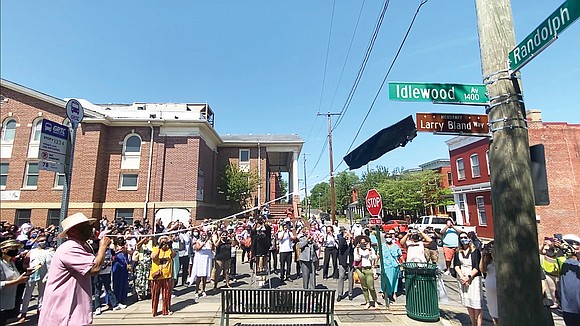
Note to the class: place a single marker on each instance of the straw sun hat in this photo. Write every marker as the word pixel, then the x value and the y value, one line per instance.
pixel 72 221
pixel 10 244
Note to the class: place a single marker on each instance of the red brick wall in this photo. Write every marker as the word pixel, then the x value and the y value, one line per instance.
pixel 562 146
pixel 485 231
pixel 479 147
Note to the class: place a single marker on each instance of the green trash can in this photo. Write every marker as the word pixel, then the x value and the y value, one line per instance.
pixel 422 302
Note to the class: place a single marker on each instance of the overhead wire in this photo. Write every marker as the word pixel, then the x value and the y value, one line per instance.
pixel 347 53
pixel 327 55
pixel 385 78
pixel 363 64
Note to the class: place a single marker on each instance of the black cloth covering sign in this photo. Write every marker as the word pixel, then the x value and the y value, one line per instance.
pixel 397 135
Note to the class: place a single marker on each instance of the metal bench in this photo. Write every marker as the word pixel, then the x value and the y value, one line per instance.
pixel 277 302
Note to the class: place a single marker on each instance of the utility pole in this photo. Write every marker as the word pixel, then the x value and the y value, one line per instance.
pixel 306 190
pixel 515 230
pixel 332 194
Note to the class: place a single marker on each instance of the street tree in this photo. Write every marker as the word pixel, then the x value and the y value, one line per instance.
pixel 320 196
pixel 238 186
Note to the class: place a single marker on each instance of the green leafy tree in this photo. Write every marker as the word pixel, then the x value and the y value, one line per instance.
pixel 344 182
pixel 238 186
pixel 320 196
pixel 283 187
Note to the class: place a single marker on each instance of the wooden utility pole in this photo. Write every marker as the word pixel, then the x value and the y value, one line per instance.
pixel 332 193
pixel 515 230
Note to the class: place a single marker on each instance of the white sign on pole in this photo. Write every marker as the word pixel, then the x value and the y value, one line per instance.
pixel 75 112
pixel 52 157
pixel 50 166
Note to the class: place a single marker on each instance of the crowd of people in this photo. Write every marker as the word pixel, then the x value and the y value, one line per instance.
pixel 150 260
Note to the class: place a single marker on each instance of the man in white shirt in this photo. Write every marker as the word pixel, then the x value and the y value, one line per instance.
pixel 286 238
pixel 184 254
pixel 356 229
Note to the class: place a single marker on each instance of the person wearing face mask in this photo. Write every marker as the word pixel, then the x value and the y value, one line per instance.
pixel 67 295
pixel 391 265
pixel 39 258
pixel 366 261
pixel 162 275
pixel 10 278
pixel 330 243
pixel 308 256
pixel 345 259
pixel 549 263
pixel 466 264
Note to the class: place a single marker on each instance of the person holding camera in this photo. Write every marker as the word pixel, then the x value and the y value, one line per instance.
pixel 431 252
pixel 466 264
pixel 104 279
pixel 162 275
pixel 261 234
pixel 330 252
pixel 569 287
pixel 414 242
pixel 450 238
pixel 202 263
pixel 223 249
pixel 286 238
pixel 345 260
pixel 308 256
pixel 487 268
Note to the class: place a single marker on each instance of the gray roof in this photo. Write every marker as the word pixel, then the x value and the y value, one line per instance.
pixel 262 138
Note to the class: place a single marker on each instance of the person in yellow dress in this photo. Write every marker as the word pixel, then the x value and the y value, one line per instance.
pixel 161 275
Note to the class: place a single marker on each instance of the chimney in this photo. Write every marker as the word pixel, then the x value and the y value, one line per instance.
pixel 534 115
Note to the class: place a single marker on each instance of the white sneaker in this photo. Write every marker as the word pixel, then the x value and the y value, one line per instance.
pixel 119 307
pixel 98 311
pixel 447 272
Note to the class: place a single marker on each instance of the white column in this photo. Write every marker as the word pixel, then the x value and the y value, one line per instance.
pixel 294 175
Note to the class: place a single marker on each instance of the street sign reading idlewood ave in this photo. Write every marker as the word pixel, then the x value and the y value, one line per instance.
pixel 437 92
pixel 453 123
pixel 544 34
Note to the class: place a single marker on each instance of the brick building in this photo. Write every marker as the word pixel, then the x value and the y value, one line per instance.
pixel 133 160
pixel 443 168
pixel 471 181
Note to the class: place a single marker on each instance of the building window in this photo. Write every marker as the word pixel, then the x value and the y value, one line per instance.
pixel 462 202
pixel 460 169
pixel 474 165
pixel 244 156
pixel 487 160
pixel 23 216
pixel 3 175
pixel 126 213
pixel 9 131
pixel 449 179
pixel 36 126
pixel 53 217
pixel 481 210
pixel 131 152
pixel 129 181
pixel 31 177
pixel 59 180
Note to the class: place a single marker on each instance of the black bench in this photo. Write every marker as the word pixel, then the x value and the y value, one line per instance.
pixel 277 302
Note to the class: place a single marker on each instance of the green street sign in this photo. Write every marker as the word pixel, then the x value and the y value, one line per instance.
pixel 544 34
pixel 471 94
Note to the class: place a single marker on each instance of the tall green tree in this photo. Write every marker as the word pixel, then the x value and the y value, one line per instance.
pixel 238 186
pixel 344 182
pixel 320 196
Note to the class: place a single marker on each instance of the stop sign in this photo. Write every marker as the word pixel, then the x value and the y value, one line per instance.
pixel 374 202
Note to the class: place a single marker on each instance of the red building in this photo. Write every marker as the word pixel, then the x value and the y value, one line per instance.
pixel 132 160
pixel 471 187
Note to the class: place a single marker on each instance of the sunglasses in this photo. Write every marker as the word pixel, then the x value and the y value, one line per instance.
pixel 463 238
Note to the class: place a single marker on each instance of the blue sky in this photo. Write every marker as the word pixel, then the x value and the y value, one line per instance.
pixel 261 64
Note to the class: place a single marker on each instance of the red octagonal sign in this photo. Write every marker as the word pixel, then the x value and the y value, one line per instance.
pixel 374 202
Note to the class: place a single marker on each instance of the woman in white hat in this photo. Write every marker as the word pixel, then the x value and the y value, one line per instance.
pixel 9 278
pixel 67 296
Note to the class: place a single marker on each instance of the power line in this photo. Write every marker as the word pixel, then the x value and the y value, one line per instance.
pixel 327 55
pixel 363 64
pixel 319 156
pixel 386 76
pixel 347 53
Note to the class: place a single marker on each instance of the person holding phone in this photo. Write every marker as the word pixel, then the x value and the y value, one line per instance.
pixel 450 239
pixel 286 238
pixel 162 275
pixel 202 263
pixel 10 279
pixel 39 258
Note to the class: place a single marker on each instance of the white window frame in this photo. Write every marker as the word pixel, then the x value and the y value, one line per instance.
pixel 34 144
pixel 48 217
pixel 480 211
pixel 56 177
pixel 475 166
pixel 459 176
pixel 4 126
pixel 461 202
pixel 19 221
pixel 121 178
pixel 129 220
pixel 27 174
pixel 6 145
pixel 131 160
pixel 3 186
pixel 487 161
pixel 240 156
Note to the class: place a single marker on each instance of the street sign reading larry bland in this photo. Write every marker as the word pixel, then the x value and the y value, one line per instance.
pixel 453 123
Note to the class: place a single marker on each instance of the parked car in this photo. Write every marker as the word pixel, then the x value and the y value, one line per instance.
pixel 437 222
pixel 397 225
